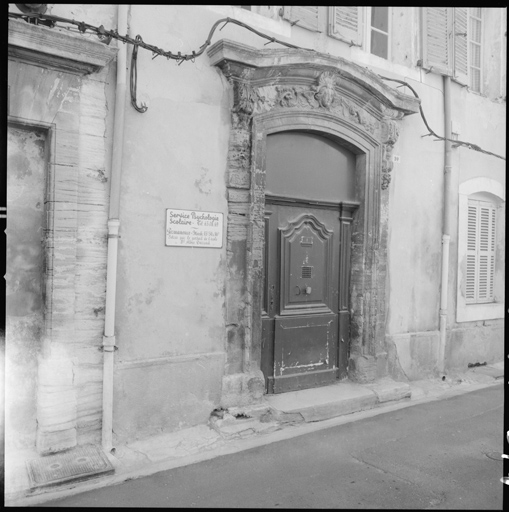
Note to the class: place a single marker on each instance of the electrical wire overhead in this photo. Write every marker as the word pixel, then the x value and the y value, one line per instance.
pixel 106 36
pixel 456 143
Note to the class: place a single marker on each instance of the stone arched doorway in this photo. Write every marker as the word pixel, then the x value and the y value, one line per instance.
pixel 285 90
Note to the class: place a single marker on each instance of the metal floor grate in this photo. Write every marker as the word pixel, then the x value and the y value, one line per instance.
pixel 76 464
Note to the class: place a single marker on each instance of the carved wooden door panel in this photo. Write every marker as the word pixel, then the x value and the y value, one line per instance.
pixel 300 322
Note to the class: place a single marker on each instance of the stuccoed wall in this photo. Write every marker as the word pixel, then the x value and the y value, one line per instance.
pixel 416 227
pixel 495 28
pixel 481 120
pixel 170 323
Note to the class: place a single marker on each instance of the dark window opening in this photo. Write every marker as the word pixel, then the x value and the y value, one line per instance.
pixel 380 32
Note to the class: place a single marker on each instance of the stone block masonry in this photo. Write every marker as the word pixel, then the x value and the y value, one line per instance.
pixel 70 105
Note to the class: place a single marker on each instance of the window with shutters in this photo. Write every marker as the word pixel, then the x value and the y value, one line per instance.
pixel 460 44
pixel 452 43
pixel 480 271
pixel 368 27
pixel 303 16
pixel 345 23
pixel 481 241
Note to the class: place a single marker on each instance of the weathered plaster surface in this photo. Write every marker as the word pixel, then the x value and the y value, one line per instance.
pixel 170 300
pixel 24 306
pixel 72 109
pixel 175 394
pixel 416 218
pixel 479 343
pixel 97 14
pixel 415 356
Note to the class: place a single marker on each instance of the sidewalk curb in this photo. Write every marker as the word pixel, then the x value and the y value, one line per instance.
pixel 168 451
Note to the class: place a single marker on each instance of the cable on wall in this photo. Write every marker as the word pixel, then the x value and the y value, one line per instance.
pixel 134 77
pixel 107 35
pixel 456 143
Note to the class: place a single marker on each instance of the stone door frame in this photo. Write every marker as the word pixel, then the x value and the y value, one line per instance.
pixel 368 154
pixel 289 89
pixel 59 103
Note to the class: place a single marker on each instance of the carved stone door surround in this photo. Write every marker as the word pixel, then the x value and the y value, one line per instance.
pixel 290 89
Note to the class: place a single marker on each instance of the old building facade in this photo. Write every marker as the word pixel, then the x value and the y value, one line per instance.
pixel 196 233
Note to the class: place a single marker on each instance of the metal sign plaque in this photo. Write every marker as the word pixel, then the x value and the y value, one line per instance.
pixel 190 228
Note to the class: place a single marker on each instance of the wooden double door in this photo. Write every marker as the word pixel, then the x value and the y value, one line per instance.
pixel 305 319
pixel 310 199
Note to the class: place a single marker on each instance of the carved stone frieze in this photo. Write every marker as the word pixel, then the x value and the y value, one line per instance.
pixel 325 90
pixel 323 95
pixel 251 100
pixel 390 113
pixel 389 136
pixel 386 166
pixel 390 132
pixel 248 99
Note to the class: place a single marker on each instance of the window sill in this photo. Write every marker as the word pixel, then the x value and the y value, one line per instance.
pixel 477 93
pixel 473 312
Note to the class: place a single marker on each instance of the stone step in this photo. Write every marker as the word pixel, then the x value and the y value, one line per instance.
pixel 318 404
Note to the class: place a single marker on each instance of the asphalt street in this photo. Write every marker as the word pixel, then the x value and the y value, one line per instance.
pixel 436 455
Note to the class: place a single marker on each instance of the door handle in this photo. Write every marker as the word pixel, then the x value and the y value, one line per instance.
pixel 306 290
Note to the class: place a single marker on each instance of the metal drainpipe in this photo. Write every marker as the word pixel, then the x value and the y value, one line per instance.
pixel 446 237
pixel 113 229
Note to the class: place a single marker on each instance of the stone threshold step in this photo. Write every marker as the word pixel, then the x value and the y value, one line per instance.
pixel 318 404
pixel 304 406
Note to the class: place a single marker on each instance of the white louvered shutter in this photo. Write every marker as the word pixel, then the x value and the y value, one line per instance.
pixel 460 39
pixel 345 23
pixel 493 239
pixel 486 253
pixel 436 33
pixel 480 252
pixel 470 284
pixel 303 16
